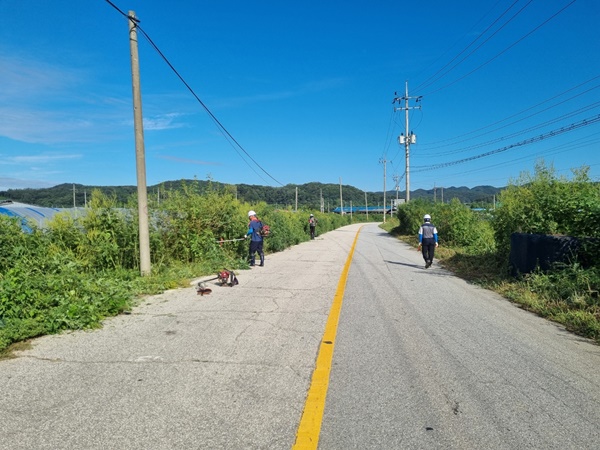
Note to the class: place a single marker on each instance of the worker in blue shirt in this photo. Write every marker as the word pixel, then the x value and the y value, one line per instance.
pixel 428 240
pixel 256 239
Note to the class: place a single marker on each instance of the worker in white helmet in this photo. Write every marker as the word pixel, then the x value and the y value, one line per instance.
pixel 256 239
pixel 428 240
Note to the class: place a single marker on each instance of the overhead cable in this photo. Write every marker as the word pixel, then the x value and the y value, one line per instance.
pixel 221 127
pixel 438 144
pixel 503 51
pixel 526 130
pixel 550 134
pixel 427 82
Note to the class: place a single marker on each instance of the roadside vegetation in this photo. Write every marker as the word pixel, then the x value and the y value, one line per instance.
pixel 476 244
pixel 79 270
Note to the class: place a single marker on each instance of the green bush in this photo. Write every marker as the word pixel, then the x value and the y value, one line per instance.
pixel 545 204
pixel 102 238
pixel 189 225
pixel 410 216
pixel 46 290
pixel 81 269
pixel 456 223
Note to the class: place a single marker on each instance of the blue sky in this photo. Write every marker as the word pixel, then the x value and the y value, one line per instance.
pixel 305 89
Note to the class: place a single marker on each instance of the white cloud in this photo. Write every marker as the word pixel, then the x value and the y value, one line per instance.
pixel 48 103
pixel 27 80
pixel 163 122
pixel 7 183
pixel 37 159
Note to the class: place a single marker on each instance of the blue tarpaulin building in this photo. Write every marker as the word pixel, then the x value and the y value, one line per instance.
pixel 361 210
pixel 31 215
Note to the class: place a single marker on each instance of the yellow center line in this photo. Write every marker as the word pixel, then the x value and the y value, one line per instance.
pixel 307 436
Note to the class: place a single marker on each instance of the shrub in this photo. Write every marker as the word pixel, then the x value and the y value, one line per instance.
pixel 82 269
pixel 456 223
pixel 544 204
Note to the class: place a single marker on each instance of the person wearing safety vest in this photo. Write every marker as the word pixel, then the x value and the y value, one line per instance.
pixel 428 240
pixel 256 239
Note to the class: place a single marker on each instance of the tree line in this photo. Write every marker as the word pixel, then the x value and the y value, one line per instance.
pixel 309 195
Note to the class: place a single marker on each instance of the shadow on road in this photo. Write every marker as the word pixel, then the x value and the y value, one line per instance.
pixel 416 266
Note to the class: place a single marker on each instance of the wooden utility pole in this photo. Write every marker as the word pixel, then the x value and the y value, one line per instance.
pixel 140 157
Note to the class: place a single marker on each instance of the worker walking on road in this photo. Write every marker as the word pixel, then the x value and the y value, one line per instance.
pixel 256 239
pixel 428 240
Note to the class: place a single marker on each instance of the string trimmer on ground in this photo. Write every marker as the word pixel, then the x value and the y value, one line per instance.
pixel 225 277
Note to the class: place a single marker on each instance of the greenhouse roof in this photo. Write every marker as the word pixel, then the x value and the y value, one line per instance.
pixel 31 214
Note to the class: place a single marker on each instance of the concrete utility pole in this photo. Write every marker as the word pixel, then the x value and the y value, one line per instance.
pixel 140 157
pixel 383 161
pixel 341 200
pixel 322 202
pixel 408 139
pixel 366 207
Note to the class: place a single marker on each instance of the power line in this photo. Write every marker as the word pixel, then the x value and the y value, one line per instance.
pixel 574 145
pixel 427 83
pixel 547 152
pixel 221 127
pixel 467 33
pixel 503 51
pixel 583 123
pixel 390 132
pixel 213 117
pixel 437 144
pixel 526 130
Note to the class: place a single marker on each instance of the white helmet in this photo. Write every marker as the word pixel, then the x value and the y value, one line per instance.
pixel 426 217
pixel 312 215
pixel 251 213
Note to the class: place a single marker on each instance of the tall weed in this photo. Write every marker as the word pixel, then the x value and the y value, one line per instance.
pixel 546 204
pixel 456 223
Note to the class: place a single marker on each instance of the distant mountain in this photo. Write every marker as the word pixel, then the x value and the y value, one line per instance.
pixel 306 195
pixel 478 194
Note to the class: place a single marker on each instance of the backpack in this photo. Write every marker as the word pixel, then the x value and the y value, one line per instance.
pixel 265 230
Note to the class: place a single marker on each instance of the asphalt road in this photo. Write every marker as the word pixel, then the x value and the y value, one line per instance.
pixel 422 360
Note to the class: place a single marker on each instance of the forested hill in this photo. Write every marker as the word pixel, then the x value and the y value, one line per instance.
pixel 308 195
